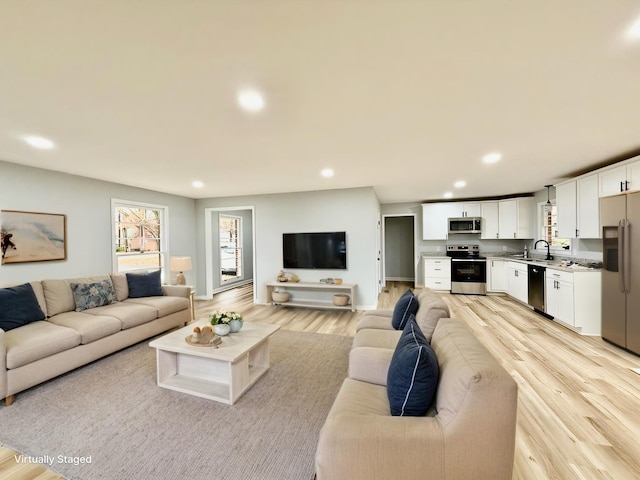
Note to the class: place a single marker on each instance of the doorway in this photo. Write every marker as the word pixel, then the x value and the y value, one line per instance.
pixel 229 248
pixel 399 248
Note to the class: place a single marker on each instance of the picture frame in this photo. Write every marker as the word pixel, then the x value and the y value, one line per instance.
pixel 32 236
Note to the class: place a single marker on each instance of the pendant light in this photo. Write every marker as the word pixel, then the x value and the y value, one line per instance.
pixel 548 207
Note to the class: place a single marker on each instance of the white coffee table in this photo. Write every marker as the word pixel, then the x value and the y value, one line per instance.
pixel 222 374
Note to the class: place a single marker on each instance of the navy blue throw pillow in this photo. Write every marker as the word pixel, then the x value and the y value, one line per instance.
pixel 18 306
pixel 144 284
pixel 413 373
pixel 406 305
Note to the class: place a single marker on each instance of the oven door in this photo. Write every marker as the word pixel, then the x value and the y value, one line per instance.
pixel 469 275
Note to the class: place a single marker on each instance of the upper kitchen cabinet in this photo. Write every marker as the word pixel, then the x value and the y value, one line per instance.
pixel 435 225
pixel 515 218
pixel 461 209
pixel 490 220
pixel 622 179
pixel 578 208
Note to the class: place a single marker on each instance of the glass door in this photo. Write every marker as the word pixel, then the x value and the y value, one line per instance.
pixel 230 228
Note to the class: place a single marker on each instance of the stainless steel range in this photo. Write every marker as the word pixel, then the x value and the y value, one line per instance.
pixel 468 269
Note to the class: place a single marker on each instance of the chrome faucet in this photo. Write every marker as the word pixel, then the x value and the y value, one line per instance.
pixel 548 257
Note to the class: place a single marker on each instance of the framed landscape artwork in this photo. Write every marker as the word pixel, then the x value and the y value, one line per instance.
pixel 32 237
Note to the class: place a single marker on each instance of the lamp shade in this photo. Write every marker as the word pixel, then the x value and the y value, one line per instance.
pixel 180 264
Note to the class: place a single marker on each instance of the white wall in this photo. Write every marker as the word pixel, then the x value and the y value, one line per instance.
pixel 352 210
pixel 87 204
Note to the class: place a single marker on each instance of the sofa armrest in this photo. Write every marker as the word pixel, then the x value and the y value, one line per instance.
pixel 370 364
pixel 362 447
pixel 176 290
pixel 3 366
pixel 374 320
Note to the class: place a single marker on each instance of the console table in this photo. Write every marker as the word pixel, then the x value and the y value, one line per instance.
pixel 329 288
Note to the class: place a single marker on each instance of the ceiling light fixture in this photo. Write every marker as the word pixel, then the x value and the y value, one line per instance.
pixel 327 172
pixel 548 207
pixel 197 184
pixel 251 100
pixel 39 142
pixel 460 184
pixel 492 157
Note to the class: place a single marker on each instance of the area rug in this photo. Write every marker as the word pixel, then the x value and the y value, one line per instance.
pixel 109 420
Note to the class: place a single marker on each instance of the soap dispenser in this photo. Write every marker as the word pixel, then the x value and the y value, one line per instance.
pixel 526 252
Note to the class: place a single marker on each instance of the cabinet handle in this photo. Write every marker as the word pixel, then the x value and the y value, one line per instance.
pixel 577 233
pixel 514 234
pixel 621 188
pixel 626 185
pixel 497 235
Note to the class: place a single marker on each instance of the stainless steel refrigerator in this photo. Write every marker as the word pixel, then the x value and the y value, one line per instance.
pixel 620 220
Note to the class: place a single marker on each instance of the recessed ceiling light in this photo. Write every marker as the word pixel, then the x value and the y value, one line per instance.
pixel 327 172
pixel 448 195
pixel 251 100
pixel 39 142
pixel 460 184
pixel 634 31
pixel 197 184
pixel 492 158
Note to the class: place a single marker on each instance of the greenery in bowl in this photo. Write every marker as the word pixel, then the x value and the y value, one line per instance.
pixel 224 317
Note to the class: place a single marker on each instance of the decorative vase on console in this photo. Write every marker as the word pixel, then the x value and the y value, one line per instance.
pixel 235 325
pixel 222 329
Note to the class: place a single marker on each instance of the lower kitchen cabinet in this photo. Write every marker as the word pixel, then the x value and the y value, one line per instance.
pixel 574 299
pixel 518 281
pixel 497 275
pixel 437 273
pixel 559 296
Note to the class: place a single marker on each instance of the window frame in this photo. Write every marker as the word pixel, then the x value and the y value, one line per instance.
pixel 163 235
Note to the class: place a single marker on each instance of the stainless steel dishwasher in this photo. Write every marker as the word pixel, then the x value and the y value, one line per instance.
pixel 536 287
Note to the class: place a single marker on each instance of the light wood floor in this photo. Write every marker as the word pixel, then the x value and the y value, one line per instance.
pixel 579 400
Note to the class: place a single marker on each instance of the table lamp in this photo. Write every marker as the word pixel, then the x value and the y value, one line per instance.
pixel 180 265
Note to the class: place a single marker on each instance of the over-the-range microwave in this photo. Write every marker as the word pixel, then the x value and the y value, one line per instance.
pixel 465 225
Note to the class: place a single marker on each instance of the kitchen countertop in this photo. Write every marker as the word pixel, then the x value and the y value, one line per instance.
pixel 561 265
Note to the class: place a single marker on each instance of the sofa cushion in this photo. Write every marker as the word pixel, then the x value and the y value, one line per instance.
pixel 144 284
pixel 374 320
pixel 406 305
pixel 120 285
pixel 413 373
pixel 18 306
pixel 59 296
pixel 129 314
pixel 432 309
pixel 38 340
pixel 91 295
pixel 164 305
pixel 90 327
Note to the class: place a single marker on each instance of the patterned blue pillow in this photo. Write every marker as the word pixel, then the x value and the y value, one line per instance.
pixel 18 306
pixel 413 373
pixel 91 295
pixel 406 305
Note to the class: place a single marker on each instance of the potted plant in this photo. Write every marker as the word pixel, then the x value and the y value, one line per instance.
pixel 226 322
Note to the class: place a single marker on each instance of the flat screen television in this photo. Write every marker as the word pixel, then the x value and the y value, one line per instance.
pixel 320 250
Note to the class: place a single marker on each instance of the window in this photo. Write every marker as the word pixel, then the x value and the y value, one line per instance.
pixel 230 228
pixel 548 230
pixel 138 236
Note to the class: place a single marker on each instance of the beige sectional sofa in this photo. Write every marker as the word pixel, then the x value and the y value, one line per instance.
pixel 66 339
pixel 468 432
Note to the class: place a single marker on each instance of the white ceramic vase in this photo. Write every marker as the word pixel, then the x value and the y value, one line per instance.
pixel 235 325
pixel 222 329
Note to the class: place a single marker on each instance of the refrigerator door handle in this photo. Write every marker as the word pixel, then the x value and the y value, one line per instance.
pixel 627 256
pixel 621 266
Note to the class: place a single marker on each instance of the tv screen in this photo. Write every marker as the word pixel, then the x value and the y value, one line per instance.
pixel 323 250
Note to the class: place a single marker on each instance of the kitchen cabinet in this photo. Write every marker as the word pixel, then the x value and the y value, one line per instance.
pixel 437 273
pixel 578 207
pixel 497 276
pixel 518 281
pixel 435 225
pixel 559 296
pixel 515 218
pixel 574 299
pixel 464 209
pixel 490 220
pixel 622 179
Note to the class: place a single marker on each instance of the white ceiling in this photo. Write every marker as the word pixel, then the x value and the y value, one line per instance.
pixel 404 96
